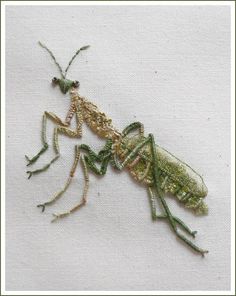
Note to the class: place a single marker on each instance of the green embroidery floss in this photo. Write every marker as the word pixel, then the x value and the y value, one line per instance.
pixel 160 171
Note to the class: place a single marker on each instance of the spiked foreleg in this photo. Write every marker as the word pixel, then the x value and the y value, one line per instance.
pixel 58 121
pixel 160 195
pixel 59 129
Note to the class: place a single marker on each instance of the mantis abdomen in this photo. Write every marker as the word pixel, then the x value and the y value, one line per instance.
pixel 175 176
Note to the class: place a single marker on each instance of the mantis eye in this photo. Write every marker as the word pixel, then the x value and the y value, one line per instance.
pixel 55 80
pixel 76 83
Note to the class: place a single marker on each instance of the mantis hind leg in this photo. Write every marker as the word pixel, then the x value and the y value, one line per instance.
pixel 133 126
pixel 164 216
pixel 132 154
pixel 173 222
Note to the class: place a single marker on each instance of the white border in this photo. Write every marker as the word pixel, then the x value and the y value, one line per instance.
pixel 233 147
pixel 2 148
pixel 108 3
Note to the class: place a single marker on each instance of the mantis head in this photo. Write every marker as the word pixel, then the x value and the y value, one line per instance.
pixel 64 83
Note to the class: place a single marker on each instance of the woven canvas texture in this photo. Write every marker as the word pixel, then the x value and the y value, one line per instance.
pixel 166 66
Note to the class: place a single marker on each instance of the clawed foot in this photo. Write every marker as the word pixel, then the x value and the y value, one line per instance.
pixel 33 159
pixel 42 206
pixel 203 252
pixel 193 233
pixel 30 160
pixel 30 174
pixel 57 216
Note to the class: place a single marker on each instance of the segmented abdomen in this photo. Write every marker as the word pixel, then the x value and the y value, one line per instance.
pixel 176 177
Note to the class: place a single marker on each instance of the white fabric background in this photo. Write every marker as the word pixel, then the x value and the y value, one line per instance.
pixel 168 67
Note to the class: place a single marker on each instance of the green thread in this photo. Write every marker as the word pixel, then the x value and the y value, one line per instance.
pixel 53 57
pixel 70 62
pixel 147 162
pixel 169 216
pixel 74 56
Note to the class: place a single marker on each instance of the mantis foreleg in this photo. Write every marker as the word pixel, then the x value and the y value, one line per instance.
pixel 58 129
pixel 58 121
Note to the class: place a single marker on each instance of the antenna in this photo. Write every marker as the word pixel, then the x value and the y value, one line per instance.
pixel 70 62
pixel 53 57
pixel 74 56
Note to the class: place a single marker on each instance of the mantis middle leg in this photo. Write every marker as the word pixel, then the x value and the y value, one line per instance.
pixel 88 161
pixel 71 175
pixel 84 195
pixel 103 157
pixel 59 194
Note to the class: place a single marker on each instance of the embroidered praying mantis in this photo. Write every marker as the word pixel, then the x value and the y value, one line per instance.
pixel 147 162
